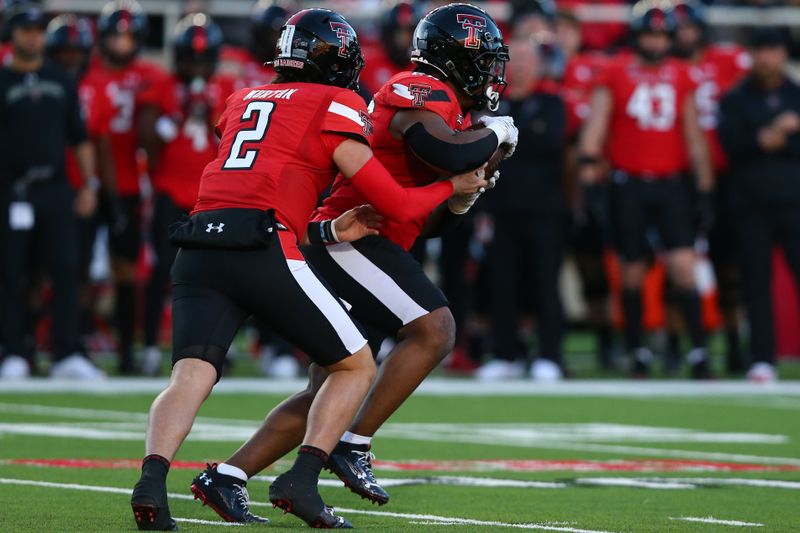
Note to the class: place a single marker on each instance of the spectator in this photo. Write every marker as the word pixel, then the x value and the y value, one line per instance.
pixel 644 106
pixel 528 215
pixel 760 131
pixel 39 118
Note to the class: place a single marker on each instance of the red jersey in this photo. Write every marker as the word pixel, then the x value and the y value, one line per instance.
pixel 645 134
pixel 407 90
pixel 580 75
pixel 276 149
pixel 128 89
pixel 378 68
pixel 6 54
pixel 239 64
pixel 97 113
pixel 194 112
pixel 717 70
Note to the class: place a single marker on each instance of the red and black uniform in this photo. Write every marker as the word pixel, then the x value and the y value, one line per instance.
pixel 580 76
pixel 647 151
pixel 385 285
pixel 379 68
pixel 128 89
pixel 275 155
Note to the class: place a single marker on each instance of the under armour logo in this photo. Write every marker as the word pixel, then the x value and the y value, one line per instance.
pixel 473 24
pixel 420 92
pixel 206 479
pixel 218 227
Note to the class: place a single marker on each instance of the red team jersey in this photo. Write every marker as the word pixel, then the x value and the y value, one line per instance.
pixel 97 113
pixel 645 134
pixel 579 77
pixel 407 90
pixel 6 54
pixel 182 160
pixel 378 68
pixel 276 149
pixel 128 89
pixel 240 65
pixel 717 70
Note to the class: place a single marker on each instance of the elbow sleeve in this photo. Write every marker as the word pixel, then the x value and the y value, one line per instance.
pixel 446 156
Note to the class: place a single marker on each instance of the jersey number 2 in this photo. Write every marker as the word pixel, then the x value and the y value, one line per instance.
pixel 243 160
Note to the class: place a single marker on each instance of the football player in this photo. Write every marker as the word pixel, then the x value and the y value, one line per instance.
pixel 280 146
pixel 132 85
pixel 392 53
pixel 644 108
pixel 420 120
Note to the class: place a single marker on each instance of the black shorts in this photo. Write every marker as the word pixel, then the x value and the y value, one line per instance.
pixel 215 291
pixel 638 205
pixel 384 285
pixel 126 244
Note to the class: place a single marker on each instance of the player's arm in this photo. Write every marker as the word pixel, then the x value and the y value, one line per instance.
pixel 696 145
pixel 147 133
pixel 593 136
pixel 448 151
pixel 356 161
pixel 86 199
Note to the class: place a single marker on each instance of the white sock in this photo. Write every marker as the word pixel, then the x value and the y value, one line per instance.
pixel 352 438
pixel 230 470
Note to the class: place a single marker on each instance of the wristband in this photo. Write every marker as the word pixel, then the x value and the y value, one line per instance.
pixel 585 160
pixel 321 233
pixel 93 183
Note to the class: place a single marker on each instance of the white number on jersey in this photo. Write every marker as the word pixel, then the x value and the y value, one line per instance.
pixel 707 102
pixel 124 102
pixel 245 161
pixel 653 106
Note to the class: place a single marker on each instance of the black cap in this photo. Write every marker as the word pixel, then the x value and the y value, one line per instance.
pixel 769 37
pixel 26 14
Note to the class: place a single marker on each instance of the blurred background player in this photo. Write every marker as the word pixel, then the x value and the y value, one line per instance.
pixel 715 69
pixel 69 45
pixel 646 100
pixel 40 118
pixel 191 101
pixel 133 87
pixel 392 54
pixel 760 131
pixel 528 213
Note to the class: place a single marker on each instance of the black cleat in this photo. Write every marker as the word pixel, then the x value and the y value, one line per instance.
pixel 150 507
pixel 226 495
pixel 352 463
pixel 303 500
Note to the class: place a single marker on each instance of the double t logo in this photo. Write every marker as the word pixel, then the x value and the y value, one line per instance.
pixel 343 33
pixel 420 92
pixel 473 24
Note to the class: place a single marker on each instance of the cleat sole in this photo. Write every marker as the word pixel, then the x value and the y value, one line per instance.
pixel 199 495
pixel 146 517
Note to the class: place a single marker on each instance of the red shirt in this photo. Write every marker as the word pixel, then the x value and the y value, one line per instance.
pixel 97 113
pixel 239 64
pixel 182 160
pixel 645 135
pixel 378 68
pixel 407 90
pixel 6 54
pixel 717 70
pixel 276 149
pixel 128 89
pixel 580 75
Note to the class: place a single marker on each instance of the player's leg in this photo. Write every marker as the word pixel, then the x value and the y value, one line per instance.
pixel 677 232
pixel 124 245
pixel 205 321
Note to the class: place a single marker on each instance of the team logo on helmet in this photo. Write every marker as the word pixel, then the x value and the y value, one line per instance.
pixel 419 92
pixel 343 33
pixel 366 121
pixel 474 24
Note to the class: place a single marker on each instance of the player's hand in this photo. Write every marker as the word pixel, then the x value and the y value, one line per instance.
pixel 469 182
pixel 788 122
pixel 85 202
pixel 771 139
pixel 357 223
pixel 504 128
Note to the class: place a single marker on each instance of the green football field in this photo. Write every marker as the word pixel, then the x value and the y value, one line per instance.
pixel 459 456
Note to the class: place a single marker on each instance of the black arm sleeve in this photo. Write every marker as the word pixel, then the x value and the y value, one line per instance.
pixel 449 157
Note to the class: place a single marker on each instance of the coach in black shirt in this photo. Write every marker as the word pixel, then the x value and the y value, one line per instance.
pixel 40 119
pixel 760 132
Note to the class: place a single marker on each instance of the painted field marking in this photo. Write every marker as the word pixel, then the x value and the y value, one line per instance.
pixel 430 387
pixel 207 522
pixel 404 516
pixel 712 520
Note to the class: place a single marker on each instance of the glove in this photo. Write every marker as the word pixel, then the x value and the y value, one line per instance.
pixel 493 179
pixel 705 211
pixel 504 128
pixel 460 204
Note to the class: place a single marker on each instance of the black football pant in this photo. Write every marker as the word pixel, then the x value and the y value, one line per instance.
pixel 760 229
pixel 525 258
pixel 54 239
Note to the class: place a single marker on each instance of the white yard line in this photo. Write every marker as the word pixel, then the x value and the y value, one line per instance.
pixel 712 520
pixel 405 516
pixel 431 387
pixel 635 483
pixel 207 522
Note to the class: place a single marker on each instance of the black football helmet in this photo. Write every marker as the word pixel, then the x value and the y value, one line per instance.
pixel 319 46
pixel 69 43
pixel 690 14
pixel 122 16
pixel 402 17
pixel 266 21
pixel 652 16
pixel 196 43
pixel 464 44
